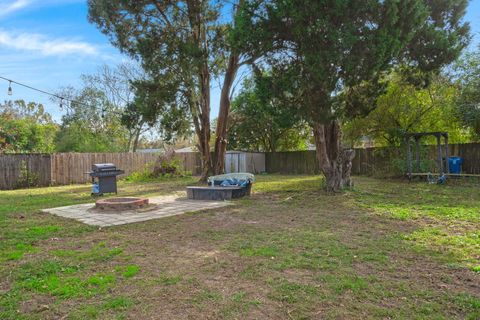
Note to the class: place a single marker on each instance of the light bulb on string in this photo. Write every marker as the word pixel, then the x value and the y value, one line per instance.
pixel 10 91
pixel 61 103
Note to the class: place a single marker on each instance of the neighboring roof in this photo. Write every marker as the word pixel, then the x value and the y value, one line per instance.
pixel 186 149
pixel 149 150
pixel 311 146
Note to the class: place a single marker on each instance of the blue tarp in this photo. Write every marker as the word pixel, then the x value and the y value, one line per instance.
pixel 234 182
pixel 232 179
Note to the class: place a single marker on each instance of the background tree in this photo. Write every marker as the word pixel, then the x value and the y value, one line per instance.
pixel 169 124
pixel 20 109
pixel 134 121
pixel 182 45
pixel 116 84
pixel 406 107
pixel 259 121
pixel 467 77
pixel 91 124
pixel 26 127
pixel 108 108
pixel 327 46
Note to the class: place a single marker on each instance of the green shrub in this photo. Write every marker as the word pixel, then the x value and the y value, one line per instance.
pixel 161 170
pixel 166 167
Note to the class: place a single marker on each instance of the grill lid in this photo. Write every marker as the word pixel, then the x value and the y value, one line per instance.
pixel 103 167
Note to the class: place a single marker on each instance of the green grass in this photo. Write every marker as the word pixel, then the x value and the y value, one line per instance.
pixel 298 249
pixel 23 229
pixel 403 200
pixel 384 249
pixel 62 280
pixel 130 271
pixel 451 211
pixel 116 305
pixel 97 253
pixel 463 249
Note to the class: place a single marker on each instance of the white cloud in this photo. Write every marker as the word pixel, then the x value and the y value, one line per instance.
pixel 45 46
pixel 7 7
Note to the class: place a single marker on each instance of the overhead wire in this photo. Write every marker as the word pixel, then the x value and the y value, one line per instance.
pixel 54 95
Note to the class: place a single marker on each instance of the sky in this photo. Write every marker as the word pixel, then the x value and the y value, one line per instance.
pixel 48 44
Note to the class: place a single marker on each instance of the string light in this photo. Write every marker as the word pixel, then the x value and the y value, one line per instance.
pixel 63 101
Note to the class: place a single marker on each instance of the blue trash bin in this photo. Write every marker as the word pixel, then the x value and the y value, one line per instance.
pixel 455 164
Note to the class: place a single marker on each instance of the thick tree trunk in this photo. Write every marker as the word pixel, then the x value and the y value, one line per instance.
pixel 334 161
pixel 222 121
pixel 206 162
pixel 200 109
pixel 203 147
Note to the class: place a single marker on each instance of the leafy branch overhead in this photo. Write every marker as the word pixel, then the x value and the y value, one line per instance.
pixel 328 48
pixel 183 46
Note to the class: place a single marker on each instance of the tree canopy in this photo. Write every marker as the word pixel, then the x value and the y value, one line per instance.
pixel 406 108
pixel 182 45
pixel 260 122
pixel 467 76
pixel 26 127
pixel 327 46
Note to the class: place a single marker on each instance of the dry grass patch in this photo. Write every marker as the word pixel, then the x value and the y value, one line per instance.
pixel 288 252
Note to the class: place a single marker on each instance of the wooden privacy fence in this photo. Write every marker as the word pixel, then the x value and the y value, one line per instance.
pixel 370 161
pixel 19 170
pixel 68 168
pixel 16 170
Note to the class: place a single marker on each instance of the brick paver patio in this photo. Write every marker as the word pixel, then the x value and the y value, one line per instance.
pixel 167 206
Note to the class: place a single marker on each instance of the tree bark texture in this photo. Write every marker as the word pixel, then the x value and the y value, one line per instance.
pixel 334 161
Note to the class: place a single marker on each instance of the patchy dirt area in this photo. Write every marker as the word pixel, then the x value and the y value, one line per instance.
pixel 280 254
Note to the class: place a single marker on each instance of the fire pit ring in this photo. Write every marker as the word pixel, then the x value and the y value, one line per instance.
pixel 119 204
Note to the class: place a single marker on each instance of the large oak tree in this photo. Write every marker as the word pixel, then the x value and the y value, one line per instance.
pixel 325 47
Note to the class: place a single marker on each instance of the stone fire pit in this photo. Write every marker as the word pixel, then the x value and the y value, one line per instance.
pixel 121 204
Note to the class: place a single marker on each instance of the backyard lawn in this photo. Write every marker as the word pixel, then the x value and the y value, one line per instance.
pixel 387 249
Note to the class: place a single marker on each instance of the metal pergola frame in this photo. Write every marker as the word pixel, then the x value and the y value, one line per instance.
pixel 441 164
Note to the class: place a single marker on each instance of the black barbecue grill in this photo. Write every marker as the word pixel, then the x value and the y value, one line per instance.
pixel 104 178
